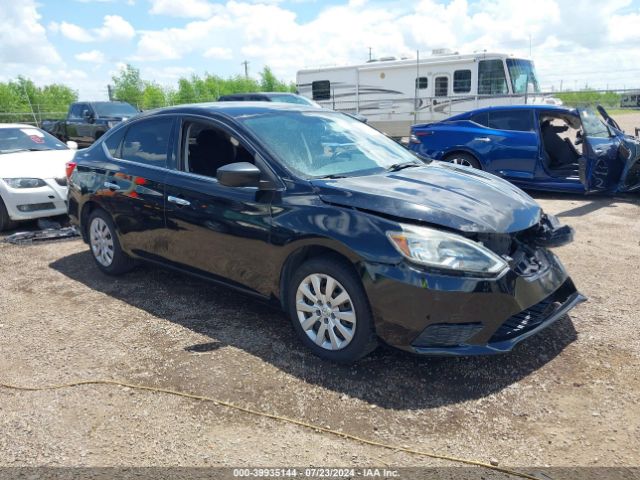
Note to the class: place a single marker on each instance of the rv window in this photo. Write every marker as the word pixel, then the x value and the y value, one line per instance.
pixel 519 120
pixel 462 81
pixel 422 83
pixel 441 86
pixel 491 78
pixel 321 90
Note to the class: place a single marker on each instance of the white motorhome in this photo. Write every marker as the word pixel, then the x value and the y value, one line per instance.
pixel 394 94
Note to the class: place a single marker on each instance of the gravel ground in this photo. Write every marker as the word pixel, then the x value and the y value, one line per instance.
pixel 567 397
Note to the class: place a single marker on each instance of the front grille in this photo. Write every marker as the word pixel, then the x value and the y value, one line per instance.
pixel 446 334
pixel 62 181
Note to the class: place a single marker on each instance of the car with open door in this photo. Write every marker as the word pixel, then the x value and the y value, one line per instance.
pixel 354 236
pixel 539 147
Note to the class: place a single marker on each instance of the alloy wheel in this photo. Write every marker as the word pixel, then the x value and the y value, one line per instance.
pixel 325 311
pixel 101 242
pixel 461 161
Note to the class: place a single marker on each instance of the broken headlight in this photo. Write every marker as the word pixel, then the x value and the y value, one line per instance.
pixel 435 248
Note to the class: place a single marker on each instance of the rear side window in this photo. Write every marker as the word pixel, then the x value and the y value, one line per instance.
pixel 321 90
pixel 147 141
pixel 441 86
pixel 462 81
pixel 113 141
pixel 519 120
pixel 481 119
pixel 491 78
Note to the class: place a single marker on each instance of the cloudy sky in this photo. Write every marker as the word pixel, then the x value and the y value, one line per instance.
pixel 83 42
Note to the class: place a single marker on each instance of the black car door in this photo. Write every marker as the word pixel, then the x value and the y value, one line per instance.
pixel 215 229
pixel 133 184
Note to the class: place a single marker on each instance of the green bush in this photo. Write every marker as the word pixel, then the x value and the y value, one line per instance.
pixel 589 98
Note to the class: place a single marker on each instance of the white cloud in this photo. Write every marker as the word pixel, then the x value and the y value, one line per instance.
pixel 183 8
pixel 92 56
pixel 23 39
pixel 114 27
pixel 561 34
pixel 219 53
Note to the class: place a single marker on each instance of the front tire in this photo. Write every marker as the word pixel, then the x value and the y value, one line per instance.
pixel 330 311
pixel 105 246
pixel 5 221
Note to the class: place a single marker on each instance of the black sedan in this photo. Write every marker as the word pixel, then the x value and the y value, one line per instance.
pixel 354 236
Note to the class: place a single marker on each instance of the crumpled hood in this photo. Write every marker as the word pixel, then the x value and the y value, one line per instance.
pixel 45 164
pixel 438 193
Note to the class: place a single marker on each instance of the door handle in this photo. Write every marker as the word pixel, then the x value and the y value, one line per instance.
pixel 179 201
pixel 482 139
pixel 111 186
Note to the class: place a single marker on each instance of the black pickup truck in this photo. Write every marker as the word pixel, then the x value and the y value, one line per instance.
pixel 88 121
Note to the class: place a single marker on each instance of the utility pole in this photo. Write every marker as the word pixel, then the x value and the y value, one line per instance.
pixel 110 92
pixel 369 53
pixel 246 69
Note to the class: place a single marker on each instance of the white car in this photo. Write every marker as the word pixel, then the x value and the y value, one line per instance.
pixel 33 182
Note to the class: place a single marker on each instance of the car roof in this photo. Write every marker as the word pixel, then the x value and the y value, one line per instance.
pixel 17 125
pixel 232 109
pixel 555 108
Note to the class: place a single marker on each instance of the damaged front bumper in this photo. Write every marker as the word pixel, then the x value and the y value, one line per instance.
pixel 433 313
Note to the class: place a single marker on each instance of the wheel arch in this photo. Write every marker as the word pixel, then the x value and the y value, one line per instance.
pixel 305 252
pixel 87 209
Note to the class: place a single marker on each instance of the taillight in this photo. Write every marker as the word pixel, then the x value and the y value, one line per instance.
pixel 70 167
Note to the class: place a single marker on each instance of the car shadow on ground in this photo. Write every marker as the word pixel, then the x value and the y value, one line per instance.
pixel 388 377
pixel 593 202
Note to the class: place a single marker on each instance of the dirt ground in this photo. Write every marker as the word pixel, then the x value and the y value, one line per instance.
pixel 566 397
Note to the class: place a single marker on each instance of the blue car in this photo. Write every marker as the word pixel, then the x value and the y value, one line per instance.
pixel 539 147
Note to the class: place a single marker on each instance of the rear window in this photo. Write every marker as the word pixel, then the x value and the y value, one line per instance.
pixel 147 141
pixel 518 120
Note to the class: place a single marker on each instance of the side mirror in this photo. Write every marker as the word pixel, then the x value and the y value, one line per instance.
pixel 239 174
pixel 72 145
pixel 88 116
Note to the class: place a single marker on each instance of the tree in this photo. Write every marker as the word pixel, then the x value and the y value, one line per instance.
pixel 128 86
pixel 153 96
pixel 269 82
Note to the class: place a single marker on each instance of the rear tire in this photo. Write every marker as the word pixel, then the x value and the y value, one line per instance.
pixel 465 159
pixel 5 221
pixel 104 244
pixel 330 310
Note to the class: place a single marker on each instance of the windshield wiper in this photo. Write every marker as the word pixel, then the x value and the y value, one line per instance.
pixel 333 175
pixel 401 166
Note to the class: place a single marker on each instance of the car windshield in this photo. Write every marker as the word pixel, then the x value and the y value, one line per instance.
pixel 323 144
pixel 593 124
pixel 297 99
pixel 522 73
pixel 27 138
pixel 114 109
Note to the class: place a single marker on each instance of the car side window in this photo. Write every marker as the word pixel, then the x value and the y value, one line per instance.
pixel 113 142
pixel 518 120
pixel 207 147
pixel 75 111
pixel 147 141
pixel 481 119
